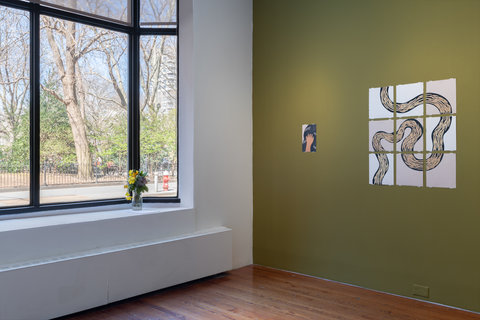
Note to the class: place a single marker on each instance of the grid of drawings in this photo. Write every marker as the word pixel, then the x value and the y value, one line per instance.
pixel 412 134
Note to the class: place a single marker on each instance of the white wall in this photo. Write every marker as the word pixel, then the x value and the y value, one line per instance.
pixel 215 152
pixel 215 172
pixel 223 119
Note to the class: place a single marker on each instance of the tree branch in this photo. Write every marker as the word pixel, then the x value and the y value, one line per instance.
pixel 53 93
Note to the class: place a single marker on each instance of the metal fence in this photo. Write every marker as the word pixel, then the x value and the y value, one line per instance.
pixel 52 173
pixel 59 174
pixel 18 177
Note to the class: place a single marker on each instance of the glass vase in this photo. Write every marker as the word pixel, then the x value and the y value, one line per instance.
pixel 137 201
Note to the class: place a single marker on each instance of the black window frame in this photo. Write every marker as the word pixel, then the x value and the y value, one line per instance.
pixel 134 32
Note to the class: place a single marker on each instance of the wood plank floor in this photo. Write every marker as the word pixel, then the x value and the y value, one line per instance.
pixel 256 292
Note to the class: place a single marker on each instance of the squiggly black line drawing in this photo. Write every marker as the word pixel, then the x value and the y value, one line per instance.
pixel 410 160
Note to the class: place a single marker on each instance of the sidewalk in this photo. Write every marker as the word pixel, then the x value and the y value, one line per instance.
pixel 79 193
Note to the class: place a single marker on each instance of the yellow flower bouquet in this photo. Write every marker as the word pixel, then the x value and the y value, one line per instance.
pixel 136 185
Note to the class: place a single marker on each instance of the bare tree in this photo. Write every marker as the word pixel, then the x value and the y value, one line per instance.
pixel 14 71
pixel 88 66
pixel 72 51
pixel 68 44
pixel 158 67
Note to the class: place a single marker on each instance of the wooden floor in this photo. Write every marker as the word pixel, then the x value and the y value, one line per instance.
pixel 256 292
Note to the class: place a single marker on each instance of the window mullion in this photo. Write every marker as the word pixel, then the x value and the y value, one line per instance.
pixel 35 106
pixel 134 100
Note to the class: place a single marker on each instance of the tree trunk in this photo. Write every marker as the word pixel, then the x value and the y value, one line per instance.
pixel 75 116
pixel 71 95
pixel 82 150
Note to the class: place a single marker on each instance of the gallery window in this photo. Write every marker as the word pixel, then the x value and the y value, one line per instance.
pixel 88 91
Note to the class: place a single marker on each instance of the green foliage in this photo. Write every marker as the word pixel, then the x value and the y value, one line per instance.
pixel 108 139
pixel 158 138
pixel 56 138
pixel 18 156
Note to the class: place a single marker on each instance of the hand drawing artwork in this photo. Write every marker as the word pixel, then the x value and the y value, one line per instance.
pixel 414 114
pixel 309 138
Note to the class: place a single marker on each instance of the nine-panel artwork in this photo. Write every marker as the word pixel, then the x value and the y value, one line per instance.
pixel 412 134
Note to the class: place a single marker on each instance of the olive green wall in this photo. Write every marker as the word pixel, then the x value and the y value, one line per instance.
pixel 314 61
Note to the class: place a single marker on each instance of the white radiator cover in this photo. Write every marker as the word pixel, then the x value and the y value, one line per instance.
pixel 68 284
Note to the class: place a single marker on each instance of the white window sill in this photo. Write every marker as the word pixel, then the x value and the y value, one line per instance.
pixel 24 237
pixel 39 219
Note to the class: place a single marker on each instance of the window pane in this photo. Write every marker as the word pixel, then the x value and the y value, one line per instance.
pixel 118 10
pixel 14 107
pixel 158 113
pixel 158 13
pixel 83 117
